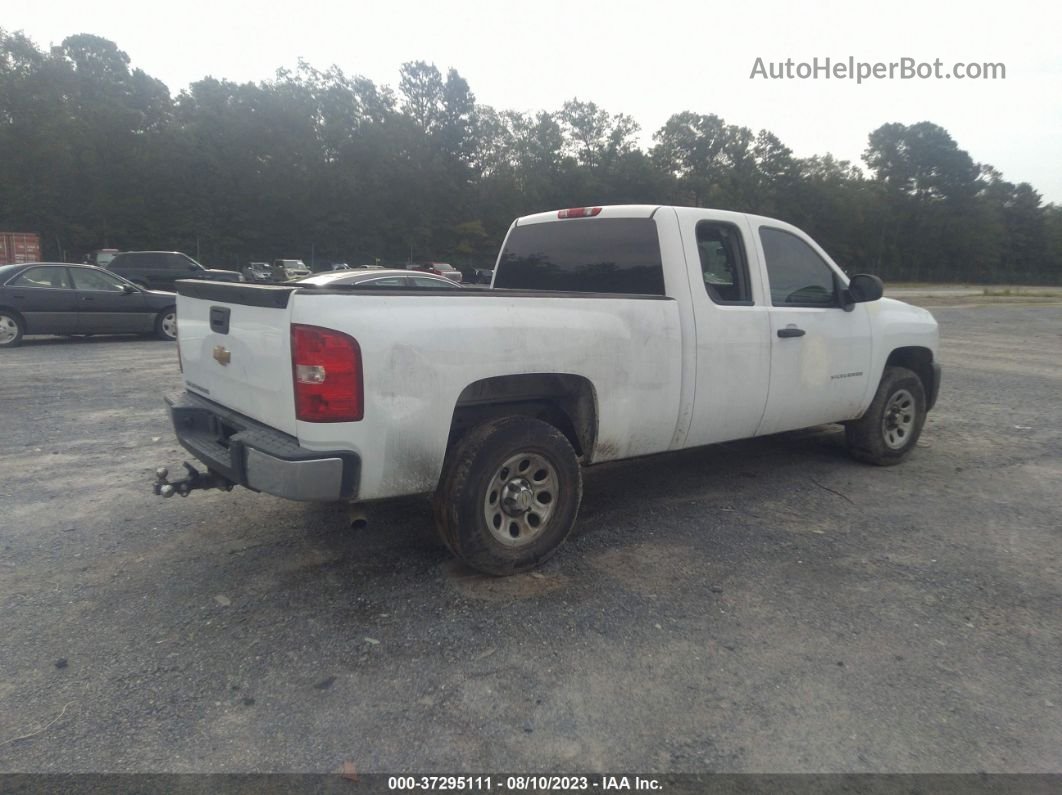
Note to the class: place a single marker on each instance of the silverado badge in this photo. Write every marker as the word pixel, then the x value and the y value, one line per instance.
pixel 222 355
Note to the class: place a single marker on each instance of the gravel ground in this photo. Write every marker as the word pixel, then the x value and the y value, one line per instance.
pixel 757 606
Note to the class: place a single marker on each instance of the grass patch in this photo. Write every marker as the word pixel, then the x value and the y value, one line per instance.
pixel 1022 292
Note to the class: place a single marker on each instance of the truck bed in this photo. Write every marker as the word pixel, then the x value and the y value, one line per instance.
pixel 421 351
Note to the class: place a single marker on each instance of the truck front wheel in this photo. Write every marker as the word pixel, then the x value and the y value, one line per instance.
pixel 509 495
pixel 888 431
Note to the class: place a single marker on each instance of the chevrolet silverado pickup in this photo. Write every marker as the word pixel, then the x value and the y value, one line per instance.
pixel 607 333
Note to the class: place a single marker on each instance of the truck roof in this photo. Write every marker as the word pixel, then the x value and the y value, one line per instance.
pixel 636 211
pixel 607 211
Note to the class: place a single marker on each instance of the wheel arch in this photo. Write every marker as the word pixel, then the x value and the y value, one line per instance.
pixel 566 401
pixel 160 315
pixel 10 310
pixel 919 360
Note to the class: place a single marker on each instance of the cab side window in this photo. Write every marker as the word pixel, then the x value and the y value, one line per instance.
pixel 723 265
pixel 798 275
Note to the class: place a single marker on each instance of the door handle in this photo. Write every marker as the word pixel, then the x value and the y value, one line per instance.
pixel 791 331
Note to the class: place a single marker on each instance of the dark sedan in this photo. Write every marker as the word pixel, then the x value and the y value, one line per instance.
pixel 59 298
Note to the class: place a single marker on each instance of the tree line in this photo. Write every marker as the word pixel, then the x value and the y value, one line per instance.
pixel 327 166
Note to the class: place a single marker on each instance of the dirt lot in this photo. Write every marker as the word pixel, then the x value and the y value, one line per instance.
pixel 761 606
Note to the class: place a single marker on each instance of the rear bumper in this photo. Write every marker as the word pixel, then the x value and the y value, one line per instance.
pixel 261 458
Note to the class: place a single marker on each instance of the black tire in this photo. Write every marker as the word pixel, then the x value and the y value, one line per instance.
pixel 509 495
pixel 11 329
pixel 166 324
pixel 887 433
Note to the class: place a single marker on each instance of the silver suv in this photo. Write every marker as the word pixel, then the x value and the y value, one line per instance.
pixel 288 269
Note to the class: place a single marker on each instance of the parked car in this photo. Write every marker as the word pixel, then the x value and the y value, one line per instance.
pixel 59 298
pixel 439 269
pixel 258 272
pixel 158 270
pixel 287 269
pixel 379 277
pixel 101 257
pixel 324 265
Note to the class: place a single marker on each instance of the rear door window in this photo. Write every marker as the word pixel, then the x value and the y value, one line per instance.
pixel 386 282
pixel 440 284
pixel 50 277
pixel 723 265
pixel 592 255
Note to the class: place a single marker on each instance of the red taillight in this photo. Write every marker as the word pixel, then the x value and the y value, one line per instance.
pixel 326 367
pixel 579 212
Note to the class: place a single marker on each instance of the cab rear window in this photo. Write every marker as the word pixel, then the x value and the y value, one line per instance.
pixel 593 255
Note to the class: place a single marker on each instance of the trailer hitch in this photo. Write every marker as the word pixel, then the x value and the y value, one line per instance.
pixel 195 480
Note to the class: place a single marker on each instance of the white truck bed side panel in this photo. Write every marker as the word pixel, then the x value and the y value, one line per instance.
pixel 420 352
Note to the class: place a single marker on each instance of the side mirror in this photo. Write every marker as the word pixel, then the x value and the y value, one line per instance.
pixel 863 287
pixel 128 289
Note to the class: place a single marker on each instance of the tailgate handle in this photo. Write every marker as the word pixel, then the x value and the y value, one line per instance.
pixel 219 319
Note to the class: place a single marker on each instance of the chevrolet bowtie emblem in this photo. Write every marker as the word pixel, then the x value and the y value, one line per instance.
pixel 222 355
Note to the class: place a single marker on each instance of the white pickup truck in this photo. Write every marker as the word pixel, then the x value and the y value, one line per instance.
pixel 607 333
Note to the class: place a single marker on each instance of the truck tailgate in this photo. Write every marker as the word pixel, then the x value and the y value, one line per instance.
pixel 235 346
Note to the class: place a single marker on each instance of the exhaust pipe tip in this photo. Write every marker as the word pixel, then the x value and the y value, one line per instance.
pixel 358 519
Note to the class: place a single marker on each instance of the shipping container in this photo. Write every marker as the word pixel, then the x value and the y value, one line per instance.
pixel 19 247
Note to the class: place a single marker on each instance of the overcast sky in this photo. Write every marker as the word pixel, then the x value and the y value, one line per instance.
pixel 645 59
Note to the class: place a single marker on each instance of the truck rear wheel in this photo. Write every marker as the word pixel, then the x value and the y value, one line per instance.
pixel 888 431
pixel 509 495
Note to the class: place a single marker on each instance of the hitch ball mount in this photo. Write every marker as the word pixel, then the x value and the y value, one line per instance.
pixel 195 480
